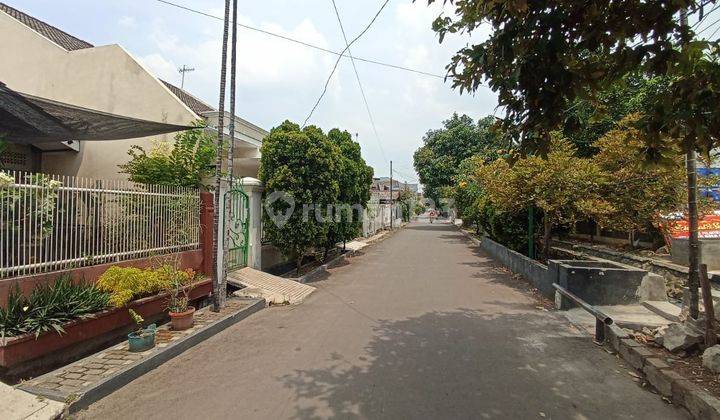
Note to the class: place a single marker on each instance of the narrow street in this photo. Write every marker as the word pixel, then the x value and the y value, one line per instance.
pixel 420 326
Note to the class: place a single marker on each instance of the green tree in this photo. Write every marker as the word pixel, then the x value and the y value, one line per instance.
pixel 565 187
pixel 543 55
pixel 406 199
pixel 639 191
pixel 438 160
pixel 469 195
pixel 587 120
pixel 355 179
pixel 185 163
pixel 302 166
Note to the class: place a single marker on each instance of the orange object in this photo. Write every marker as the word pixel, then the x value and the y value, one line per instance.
pixel 708 227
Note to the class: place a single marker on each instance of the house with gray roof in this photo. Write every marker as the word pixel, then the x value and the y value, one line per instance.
pixel 43 61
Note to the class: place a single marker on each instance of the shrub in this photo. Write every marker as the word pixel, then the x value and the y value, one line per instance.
pixel 128 283
pixel 49 307
pixel 185 163
pixel 505 228
pixel 301 165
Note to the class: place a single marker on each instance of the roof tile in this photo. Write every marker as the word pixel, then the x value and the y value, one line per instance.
pixel 50 32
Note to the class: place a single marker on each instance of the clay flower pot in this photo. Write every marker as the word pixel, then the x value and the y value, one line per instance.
pixel 182 320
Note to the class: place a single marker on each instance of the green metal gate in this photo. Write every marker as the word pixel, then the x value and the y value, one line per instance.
pixel 238 229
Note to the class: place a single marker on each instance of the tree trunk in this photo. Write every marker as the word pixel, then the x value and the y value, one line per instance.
pixel 633 238
pixel 546 237
pixel 693 239
pixel 710 336
pixel 344 245
pixel 298 265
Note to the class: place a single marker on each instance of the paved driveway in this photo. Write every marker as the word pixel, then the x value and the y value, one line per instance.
pixel 420 326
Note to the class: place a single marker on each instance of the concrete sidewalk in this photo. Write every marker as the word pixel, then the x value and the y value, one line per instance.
pixel 20 405
pixel 420 326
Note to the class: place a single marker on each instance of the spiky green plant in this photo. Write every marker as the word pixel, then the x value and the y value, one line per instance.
pixel 50 306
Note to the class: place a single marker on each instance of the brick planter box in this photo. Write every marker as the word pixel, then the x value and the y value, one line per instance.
pixel 26 348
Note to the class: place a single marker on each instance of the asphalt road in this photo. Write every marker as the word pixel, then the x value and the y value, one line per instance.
pixel 421 326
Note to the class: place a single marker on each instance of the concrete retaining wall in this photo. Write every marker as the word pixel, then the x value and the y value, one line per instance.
pixel 709 252
pixel 596 282
pixel 537 274
pixel 671 272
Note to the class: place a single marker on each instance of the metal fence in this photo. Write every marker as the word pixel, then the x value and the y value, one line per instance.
pixel 52 222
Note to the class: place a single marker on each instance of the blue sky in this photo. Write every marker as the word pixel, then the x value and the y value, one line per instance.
pixel 278 80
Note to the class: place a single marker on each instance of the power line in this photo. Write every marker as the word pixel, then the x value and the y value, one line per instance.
pixel 709 26
pixel 713 34
pixel 406 176
pixel 700 20
pixel 357 76
pixel 705 16
pixel 303 43
pixel 327 82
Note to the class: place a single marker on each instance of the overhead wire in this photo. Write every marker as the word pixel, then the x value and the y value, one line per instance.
pixel 327 82
pixel 303 43
pixel 360 85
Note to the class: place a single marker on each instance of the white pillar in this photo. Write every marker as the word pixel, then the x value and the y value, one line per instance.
pixel 254 189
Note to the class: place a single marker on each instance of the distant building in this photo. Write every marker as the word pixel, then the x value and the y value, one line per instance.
pixel 380 188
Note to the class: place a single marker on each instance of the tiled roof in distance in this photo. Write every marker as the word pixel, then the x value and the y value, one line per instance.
pixel 195 104
pixel 50 32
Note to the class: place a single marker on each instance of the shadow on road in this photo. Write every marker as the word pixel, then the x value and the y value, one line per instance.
pixel 468 364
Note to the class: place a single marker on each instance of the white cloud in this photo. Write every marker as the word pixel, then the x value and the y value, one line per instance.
pixel 127 22
pixel 263 62
pixel 417 57
pixel 159 66
pixel 419 16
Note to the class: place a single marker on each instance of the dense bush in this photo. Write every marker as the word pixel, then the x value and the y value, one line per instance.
pixel 128 283
pixel 49 307
pixel 506 228
pixel 354 180
pixel 317 187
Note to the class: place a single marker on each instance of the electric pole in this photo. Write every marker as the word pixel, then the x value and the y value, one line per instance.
pixel 693 240
pixel 182 70
pixel 219 286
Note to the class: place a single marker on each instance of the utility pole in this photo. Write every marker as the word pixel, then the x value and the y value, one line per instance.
pixel 392 213
pixel 219 291
pixel 693 240
pixel 182 70
pixel 233 66
pixel 697 274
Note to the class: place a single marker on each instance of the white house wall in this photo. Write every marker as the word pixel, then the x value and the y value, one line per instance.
pixel 105 78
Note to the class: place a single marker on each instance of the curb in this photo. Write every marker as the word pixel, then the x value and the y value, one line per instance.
pixel 134 371
pixel 660 375
pixel 319 271
pixel 323 269
pixel 473 239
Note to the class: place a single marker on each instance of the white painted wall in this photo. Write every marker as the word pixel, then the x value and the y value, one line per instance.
pixel 105 78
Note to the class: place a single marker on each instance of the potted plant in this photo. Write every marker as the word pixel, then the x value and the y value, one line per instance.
pixel 181 314
pixel 143 338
